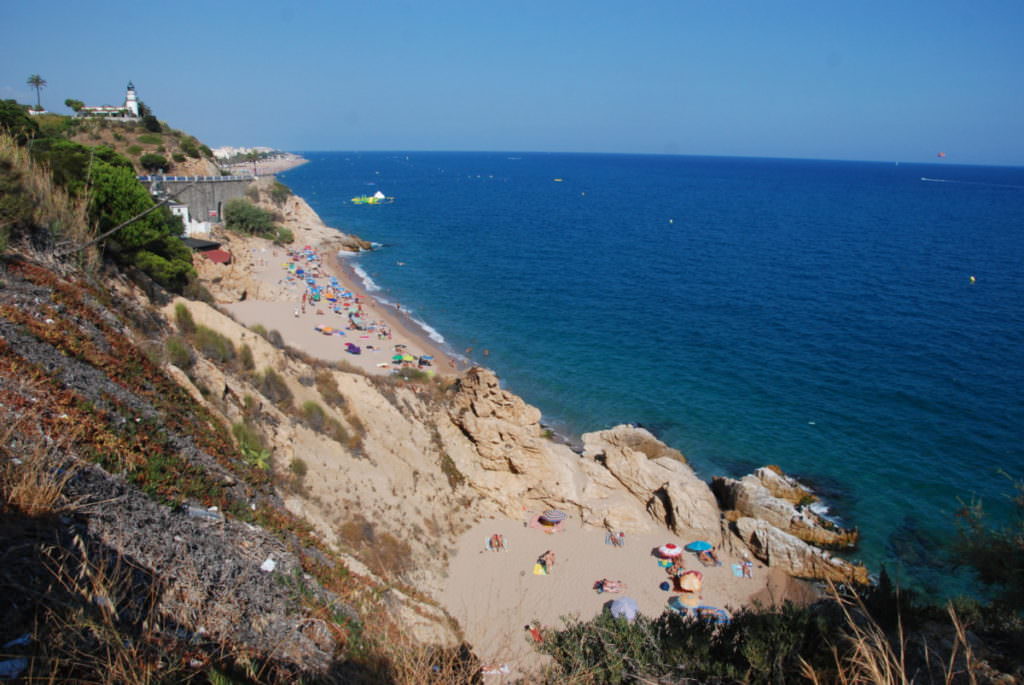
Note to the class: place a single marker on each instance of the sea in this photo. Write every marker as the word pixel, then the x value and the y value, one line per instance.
pixel 858 324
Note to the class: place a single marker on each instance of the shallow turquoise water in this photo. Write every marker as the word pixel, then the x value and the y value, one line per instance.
pixel 815 315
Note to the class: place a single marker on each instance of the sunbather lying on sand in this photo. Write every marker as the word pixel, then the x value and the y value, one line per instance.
pixel 497 543
pixel 547 560
pixel 708 557
pixel 605 585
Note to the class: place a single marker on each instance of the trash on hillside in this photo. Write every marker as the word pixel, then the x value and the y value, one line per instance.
pixel 12 668
pixel 18 641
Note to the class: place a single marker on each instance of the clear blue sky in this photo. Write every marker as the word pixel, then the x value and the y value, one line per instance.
pixel 873 80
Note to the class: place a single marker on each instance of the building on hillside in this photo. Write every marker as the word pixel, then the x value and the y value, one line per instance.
pixel 191 226
pixel 128 111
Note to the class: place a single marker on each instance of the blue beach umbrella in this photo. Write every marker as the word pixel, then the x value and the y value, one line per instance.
pixel 699 546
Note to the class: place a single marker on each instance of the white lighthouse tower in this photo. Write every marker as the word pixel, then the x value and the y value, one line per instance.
pixel 131 102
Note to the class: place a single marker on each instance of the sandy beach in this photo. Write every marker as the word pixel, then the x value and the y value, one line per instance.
pixel 495 594
pixel 277 304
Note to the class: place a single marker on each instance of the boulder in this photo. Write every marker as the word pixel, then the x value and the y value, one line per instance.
pixel 750 496
pixel 781 550
pixel 656 475
pixel 504 428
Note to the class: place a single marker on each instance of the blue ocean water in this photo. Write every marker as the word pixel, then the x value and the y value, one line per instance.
pixel 811 314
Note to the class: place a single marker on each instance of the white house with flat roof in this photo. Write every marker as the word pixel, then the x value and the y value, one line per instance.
pixel 129 110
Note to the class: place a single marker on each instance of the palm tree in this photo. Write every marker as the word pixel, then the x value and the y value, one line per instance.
pixel 37 82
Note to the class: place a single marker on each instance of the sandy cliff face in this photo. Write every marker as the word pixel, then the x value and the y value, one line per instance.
pixel 429 465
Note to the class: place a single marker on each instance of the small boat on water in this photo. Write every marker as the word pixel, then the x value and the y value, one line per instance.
pixel 377 198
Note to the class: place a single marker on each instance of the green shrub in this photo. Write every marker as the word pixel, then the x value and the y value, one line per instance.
pixel 274 387
pixel 416 375
pixel 314 416
pixel 195 290
pixel 214 345
pixel 150 139
pixel 274 338
pixel 178 157
pixel 279 192
pixel 183 317
pixel 246 358
pixel 327 386
pixel 134 150
pixel 259 330
pixel 190 147
pixel 756 646
pixel 251 445
pixel 242 216
pixel 153 162
pixel 179 353
pixel 298 467
pixel 206 151
pixel 284 236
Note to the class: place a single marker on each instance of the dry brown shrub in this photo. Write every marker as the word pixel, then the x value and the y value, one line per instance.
pixel 385 555
pixel 33 474
pixel 52 208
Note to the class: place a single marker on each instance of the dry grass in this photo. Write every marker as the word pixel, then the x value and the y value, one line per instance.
pixel 872 657
pixel 409 662
pixel 51 207
pixel 33 473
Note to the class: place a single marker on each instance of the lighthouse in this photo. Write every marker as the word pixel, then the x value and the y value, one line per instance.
pixel 131 102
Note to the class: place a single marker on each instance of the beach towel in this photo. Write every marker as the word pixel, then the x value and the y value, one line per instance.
pixel 737 570
pixel 538 570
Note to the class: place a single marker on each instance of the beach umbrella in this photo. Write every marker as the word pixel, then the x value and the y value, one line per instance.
pixel 554 516
pixel 327 330
pixel 691 581
pixel 669 551
pixel 625 607
pixel 699 546
pixel 397 358
pixel 682 604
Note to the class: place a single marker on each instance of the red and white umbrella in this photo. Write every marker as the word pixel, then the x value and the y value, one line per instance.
pixel 669 551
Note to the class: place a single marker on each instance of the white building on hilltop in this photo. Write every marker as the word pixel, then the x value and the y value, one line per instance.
pixel 129 110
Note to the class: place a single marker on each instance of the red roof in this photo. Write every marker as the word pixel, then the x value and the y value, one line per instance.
pixel 217 256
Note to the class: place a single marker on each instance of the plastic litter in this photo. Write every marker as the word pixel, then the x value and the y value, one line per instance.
pixel 268 565
pixel 203 514
pixel 12 668
pixel 18 641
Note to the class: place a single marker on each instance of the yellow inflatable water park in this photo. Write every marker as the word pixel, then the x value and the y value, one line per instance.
pixel 377 198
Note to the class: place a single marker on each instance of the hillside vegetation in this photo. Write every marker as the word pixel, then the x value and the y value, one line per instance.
pixel 148 150
pixel 148 527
